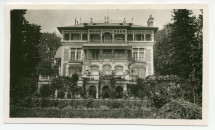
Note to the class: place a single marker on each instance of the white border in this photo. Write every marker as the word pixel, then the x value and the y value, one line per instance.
pixel 108 121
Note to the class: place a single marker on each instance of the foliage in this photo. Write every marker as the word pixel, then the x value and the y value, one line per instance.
pixel 24 55
pixel 115 104
pixel 179 48
pixel 45 91
pixel 180 109
pixel 89 103
pixel 49 43
pixel 60 94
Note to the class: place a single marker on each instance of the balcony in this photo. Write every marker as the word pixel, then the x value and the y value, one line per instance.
pixel 75 60
pixel 111 57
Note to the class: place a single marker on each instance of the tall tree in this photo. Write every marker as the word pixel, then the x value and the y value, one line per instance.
pixel 49 43
pixel 182 39
pixel 24 55
pixel 163 51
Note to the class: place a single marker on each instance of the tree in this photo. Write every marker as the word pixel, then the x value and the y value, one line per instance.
pixel 163 51
pixel 49 43
pixel 182 39
pixel 24 55
pixel 45 91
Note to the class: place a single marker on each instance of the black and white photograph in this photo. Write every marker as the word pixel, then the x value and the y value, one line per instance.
pixel 107 63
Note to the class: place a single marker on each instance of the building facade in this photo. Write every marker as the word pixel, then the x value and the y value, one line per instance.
pixel 100 51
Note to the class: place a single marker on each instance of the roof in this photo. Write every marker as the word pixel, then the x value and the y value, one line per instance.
pixel 105 25
pixel 58 53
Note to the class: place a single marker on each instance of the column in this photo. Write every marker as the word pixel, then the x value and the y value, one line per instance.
pixel 113 54
pixel 81 35
pixel 97 92
pixel 70 35
pixel 133 35
pixel 144 37
pixel 100 54
pixel 101 35
pixel 113 38
pixel 75 54
pixel 126 36
pixel 88 35
pixel 63 35
pixel 126 54
pixel 55 94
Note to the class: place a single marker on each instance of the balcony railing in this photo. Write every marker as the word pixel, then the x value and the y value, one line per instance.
pixel 75 60
pixel 111 57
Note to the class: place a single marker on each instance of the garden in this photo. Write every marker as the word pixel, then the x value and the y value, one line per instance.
pixel 156 97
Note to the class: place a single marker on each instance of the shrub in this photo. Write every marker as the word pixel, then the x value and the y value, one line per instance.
pixel 89 103
pixel 45 91
pixel 45 103
pixel 115 104
pixel 62 104
pixel 159 100
pixel 180 109
pixel 60 94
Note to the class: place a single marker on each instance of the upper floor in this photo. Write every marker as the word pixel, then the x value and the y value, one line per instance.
pixel 107 32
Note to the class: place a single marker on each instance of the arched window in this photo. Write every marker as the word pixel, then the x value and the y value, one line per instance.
pixel 107 37
pixel 94 70
pixel 118 70
pixel 66 36
pixel 134 71
pixel 106 70
pixel 92 91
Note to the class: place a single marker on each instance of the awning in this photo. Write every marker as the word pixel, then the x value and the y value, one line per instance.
pixel 107 46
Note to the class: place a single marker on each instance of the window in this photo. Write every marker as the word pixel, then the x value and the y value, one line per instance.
pixel 95 38
pixel 138 37
pixel 94 70
pixel 106 70
pixel 148 37
pixel 107 37
pixel 107 54
pixel 66 36
pixel 75 70
pixel 73 54
pixel 134 71
pixel 95 54
pixel 119 38
pixel 119 54
pixel 84 37
pixel 130 37
pixel 138 54
pixel 78 56
pixel 118 70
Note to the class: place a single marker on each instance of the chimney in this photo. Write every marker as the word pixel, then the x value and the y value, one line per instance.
pixel 150 21
pixel 75 21
pixel 91 20
pixel 124 21
pixel 107 19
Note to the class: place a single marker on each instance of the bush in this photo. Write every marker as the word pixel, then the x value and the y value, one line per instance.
pixel 62 104
pixel 60 94
pixel 45 102
pixel 115 104
pixel 45 91
pixel 159 100
pixel 89 103
pixel 180 109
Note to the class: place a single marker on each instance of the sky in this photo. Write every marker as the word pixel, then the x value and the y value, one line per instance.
pixel 49 20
